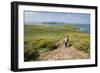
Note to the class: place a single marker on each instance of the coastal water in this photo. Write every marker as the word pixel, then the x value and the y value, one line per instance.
pixel 83 27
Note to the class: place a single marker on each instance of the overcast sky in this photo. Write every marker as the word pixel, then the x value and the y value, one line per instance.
pixel 75 18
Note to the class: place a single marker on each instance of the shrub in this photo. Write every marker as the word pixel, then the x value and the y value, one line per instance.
pixel 30 54
pixel 45 43
pixel 31 48
pixel 52 46
pixel 41 43
pixel 83 46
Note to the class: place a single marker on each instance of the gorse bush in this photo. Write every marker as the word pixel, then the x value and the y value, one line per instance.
pixel 31 48
pixel 80 41
pixel 82 45
pixel 30 54
pixel 44 43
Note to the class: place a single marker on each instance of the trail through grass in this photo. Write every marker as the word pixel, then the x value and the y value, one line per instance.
pixel 46 38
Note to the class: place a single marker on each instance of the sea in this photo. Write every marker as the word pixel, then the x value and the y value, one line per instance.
pixel 83 27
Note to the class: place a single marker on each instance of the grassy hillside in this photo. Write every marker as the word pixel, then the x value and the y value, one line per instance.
pixel 40 31
pixel 45 37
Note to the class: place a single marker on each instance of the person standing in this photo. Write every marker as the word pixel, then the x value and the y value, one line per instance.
pixel 66 41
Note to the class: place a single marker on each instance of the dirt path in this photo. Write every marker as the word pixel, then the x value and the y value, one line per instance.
pixel 63 53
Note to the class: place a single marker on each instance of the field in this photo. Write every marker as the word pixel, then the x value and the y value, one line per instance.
pixel 41 41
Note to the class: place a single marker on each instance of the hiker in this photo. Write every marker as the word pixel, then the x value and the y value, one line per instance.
pixel 66 40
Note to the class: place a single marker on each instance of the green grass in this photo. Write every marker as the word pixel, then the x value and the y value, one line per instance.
pixel 81 41
pixel 33 31
pixel 39 37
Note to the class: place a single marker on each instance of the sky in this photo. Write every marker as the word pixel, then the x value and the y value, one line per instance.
pixel 75 18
